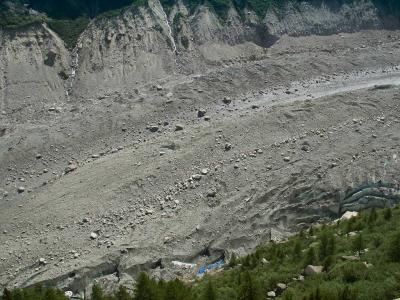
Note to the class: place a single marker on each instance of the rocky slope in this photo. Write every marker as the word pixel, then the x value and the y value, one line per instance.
pixel 186 138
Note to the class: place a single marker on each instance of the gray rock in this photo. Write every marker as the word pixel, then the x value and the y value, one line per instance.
pixel 271 294
pixel 211 193
pixel 350 257
pixel 264 261
pixel 227 100
pixel 281 287
pixel 94 236
pixel 21 189
pixel 178 127
pixel 312 270
pixel 153 128
pixel 70 168
pixel 204 171
pixel 201 113
pixel 196 177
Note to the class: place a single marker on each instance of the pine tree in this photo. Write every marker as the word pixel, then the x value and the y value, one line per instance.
pixel 328 262
pixel 387 215
pixel 145 289
pixel 317 294
pixel 327 245
pixel 233 260
pixel 373 216
pixel 358 243
pixel 311 231
pixel 122 294
pixel 97 293
pixel 297 250
pixel 209 293
pixel 50 294
pixel 310 256
pixel 7 295
pixel 345 294
pixel 248 289
pixel 394 248
pixel 176 290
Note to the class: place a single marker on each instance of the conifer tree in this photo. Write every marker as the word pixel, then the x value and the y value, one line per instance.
pixel 7 295
pixel 122 294
pixel 310 256
pixel 248 289
pixel 209 293
pixel 394 248
pixel 145 289
pixel 233 260
pixel 358 243
pixel 387 215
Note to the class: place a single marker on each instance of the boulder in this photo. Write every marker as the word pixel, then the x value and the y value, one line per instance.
pixel 152 128
pixel 348 215
pixel 350 257
pixel 196 177
pixel 204 171
pixel 201 113
pixel 312 270
pixel 42 261
pixel 271 294
pixel 280 287
pixel 178 127
pixel 70 168
pixel 227 100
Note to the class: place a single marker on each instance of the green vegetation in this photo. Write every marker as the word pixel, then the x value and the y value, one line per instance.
pixel 360 259
pixel 68 18
pixel 11 20
pixel 69 30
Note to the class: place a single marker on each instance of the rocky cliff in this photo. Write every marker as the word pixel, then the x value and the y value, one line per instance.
pixel 144 44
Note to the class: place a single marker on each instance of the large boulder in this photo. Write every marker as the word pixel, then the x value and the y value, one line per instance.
pixel 312 270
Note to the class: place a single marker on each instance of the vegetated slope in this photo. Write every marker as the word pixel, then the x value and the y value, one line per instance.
pixel 359 259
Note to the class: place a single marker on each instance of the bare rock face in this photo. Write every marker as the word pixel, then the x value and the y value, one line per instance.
pixel 31 61
pixel 331 17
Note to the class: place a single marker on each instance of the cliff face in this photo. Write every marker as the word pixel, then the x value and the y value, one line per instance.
pixel 144 45
pixel 33 64
pixel 328 18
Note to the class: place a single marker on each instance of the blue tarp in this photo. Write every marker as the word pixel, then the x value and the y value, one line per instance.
pixel 214 266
